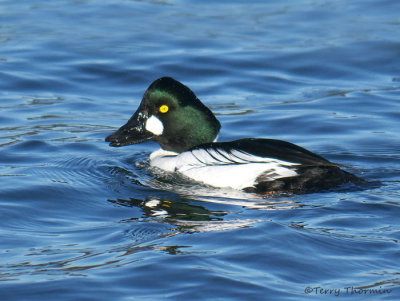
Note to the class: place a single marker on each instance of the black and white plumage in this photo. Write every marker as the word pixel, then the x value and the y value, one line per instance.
pixel 172 115
pixel 257 165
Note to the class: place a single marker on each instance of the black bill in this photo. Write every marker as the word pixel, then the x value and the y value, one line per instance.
pixel 132 132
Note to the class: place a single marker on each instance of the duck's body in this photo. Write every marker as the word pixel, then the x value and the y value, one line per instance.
pixel 254 165
pixel 172 115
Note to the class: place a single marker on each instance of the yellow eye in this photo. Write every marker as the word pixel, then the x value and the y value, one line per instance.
pixel 164 109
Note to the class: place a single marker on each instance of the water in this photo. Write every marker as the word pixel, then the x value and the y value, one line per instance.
pixel 83 221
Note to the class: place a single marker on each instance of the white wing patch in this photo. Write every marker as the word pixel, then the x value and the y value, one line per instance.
pixel 216 167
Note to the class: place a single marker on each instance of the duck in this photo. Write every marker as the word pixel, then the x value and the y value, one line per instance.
pixel 172 115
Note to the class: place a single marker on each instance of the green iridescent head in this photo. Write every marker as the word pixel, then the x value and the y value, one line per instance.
pixel 171 114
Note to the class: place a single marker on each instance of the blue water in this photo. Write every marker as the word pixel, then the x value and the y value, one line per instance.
pixel 80 220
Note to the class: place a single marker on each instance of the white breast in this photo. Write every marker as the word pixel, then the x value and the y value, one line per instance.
pixel 218 168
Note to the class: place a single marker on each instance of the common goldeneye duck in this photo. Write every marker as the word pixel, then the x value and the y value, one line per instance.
pixel 172 115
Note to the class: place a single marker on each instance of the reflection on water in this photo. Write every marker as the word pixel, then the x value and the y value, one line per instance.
pixel 187 217
pixel 197 218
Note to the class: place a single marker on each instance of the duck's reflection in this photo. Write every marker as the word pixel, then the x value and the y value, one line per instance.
pixel 189 217
pixel 153 207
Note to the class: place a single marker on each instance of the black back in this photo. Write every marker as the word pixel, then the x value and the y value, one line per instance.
pixel 271 148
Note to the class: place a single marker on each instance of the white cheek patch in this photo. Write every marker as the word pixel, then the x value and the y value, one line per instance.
pixel 154 125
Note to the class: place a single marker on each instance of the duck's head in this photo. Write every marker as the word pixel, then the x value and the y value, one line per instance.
pixel 170 114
